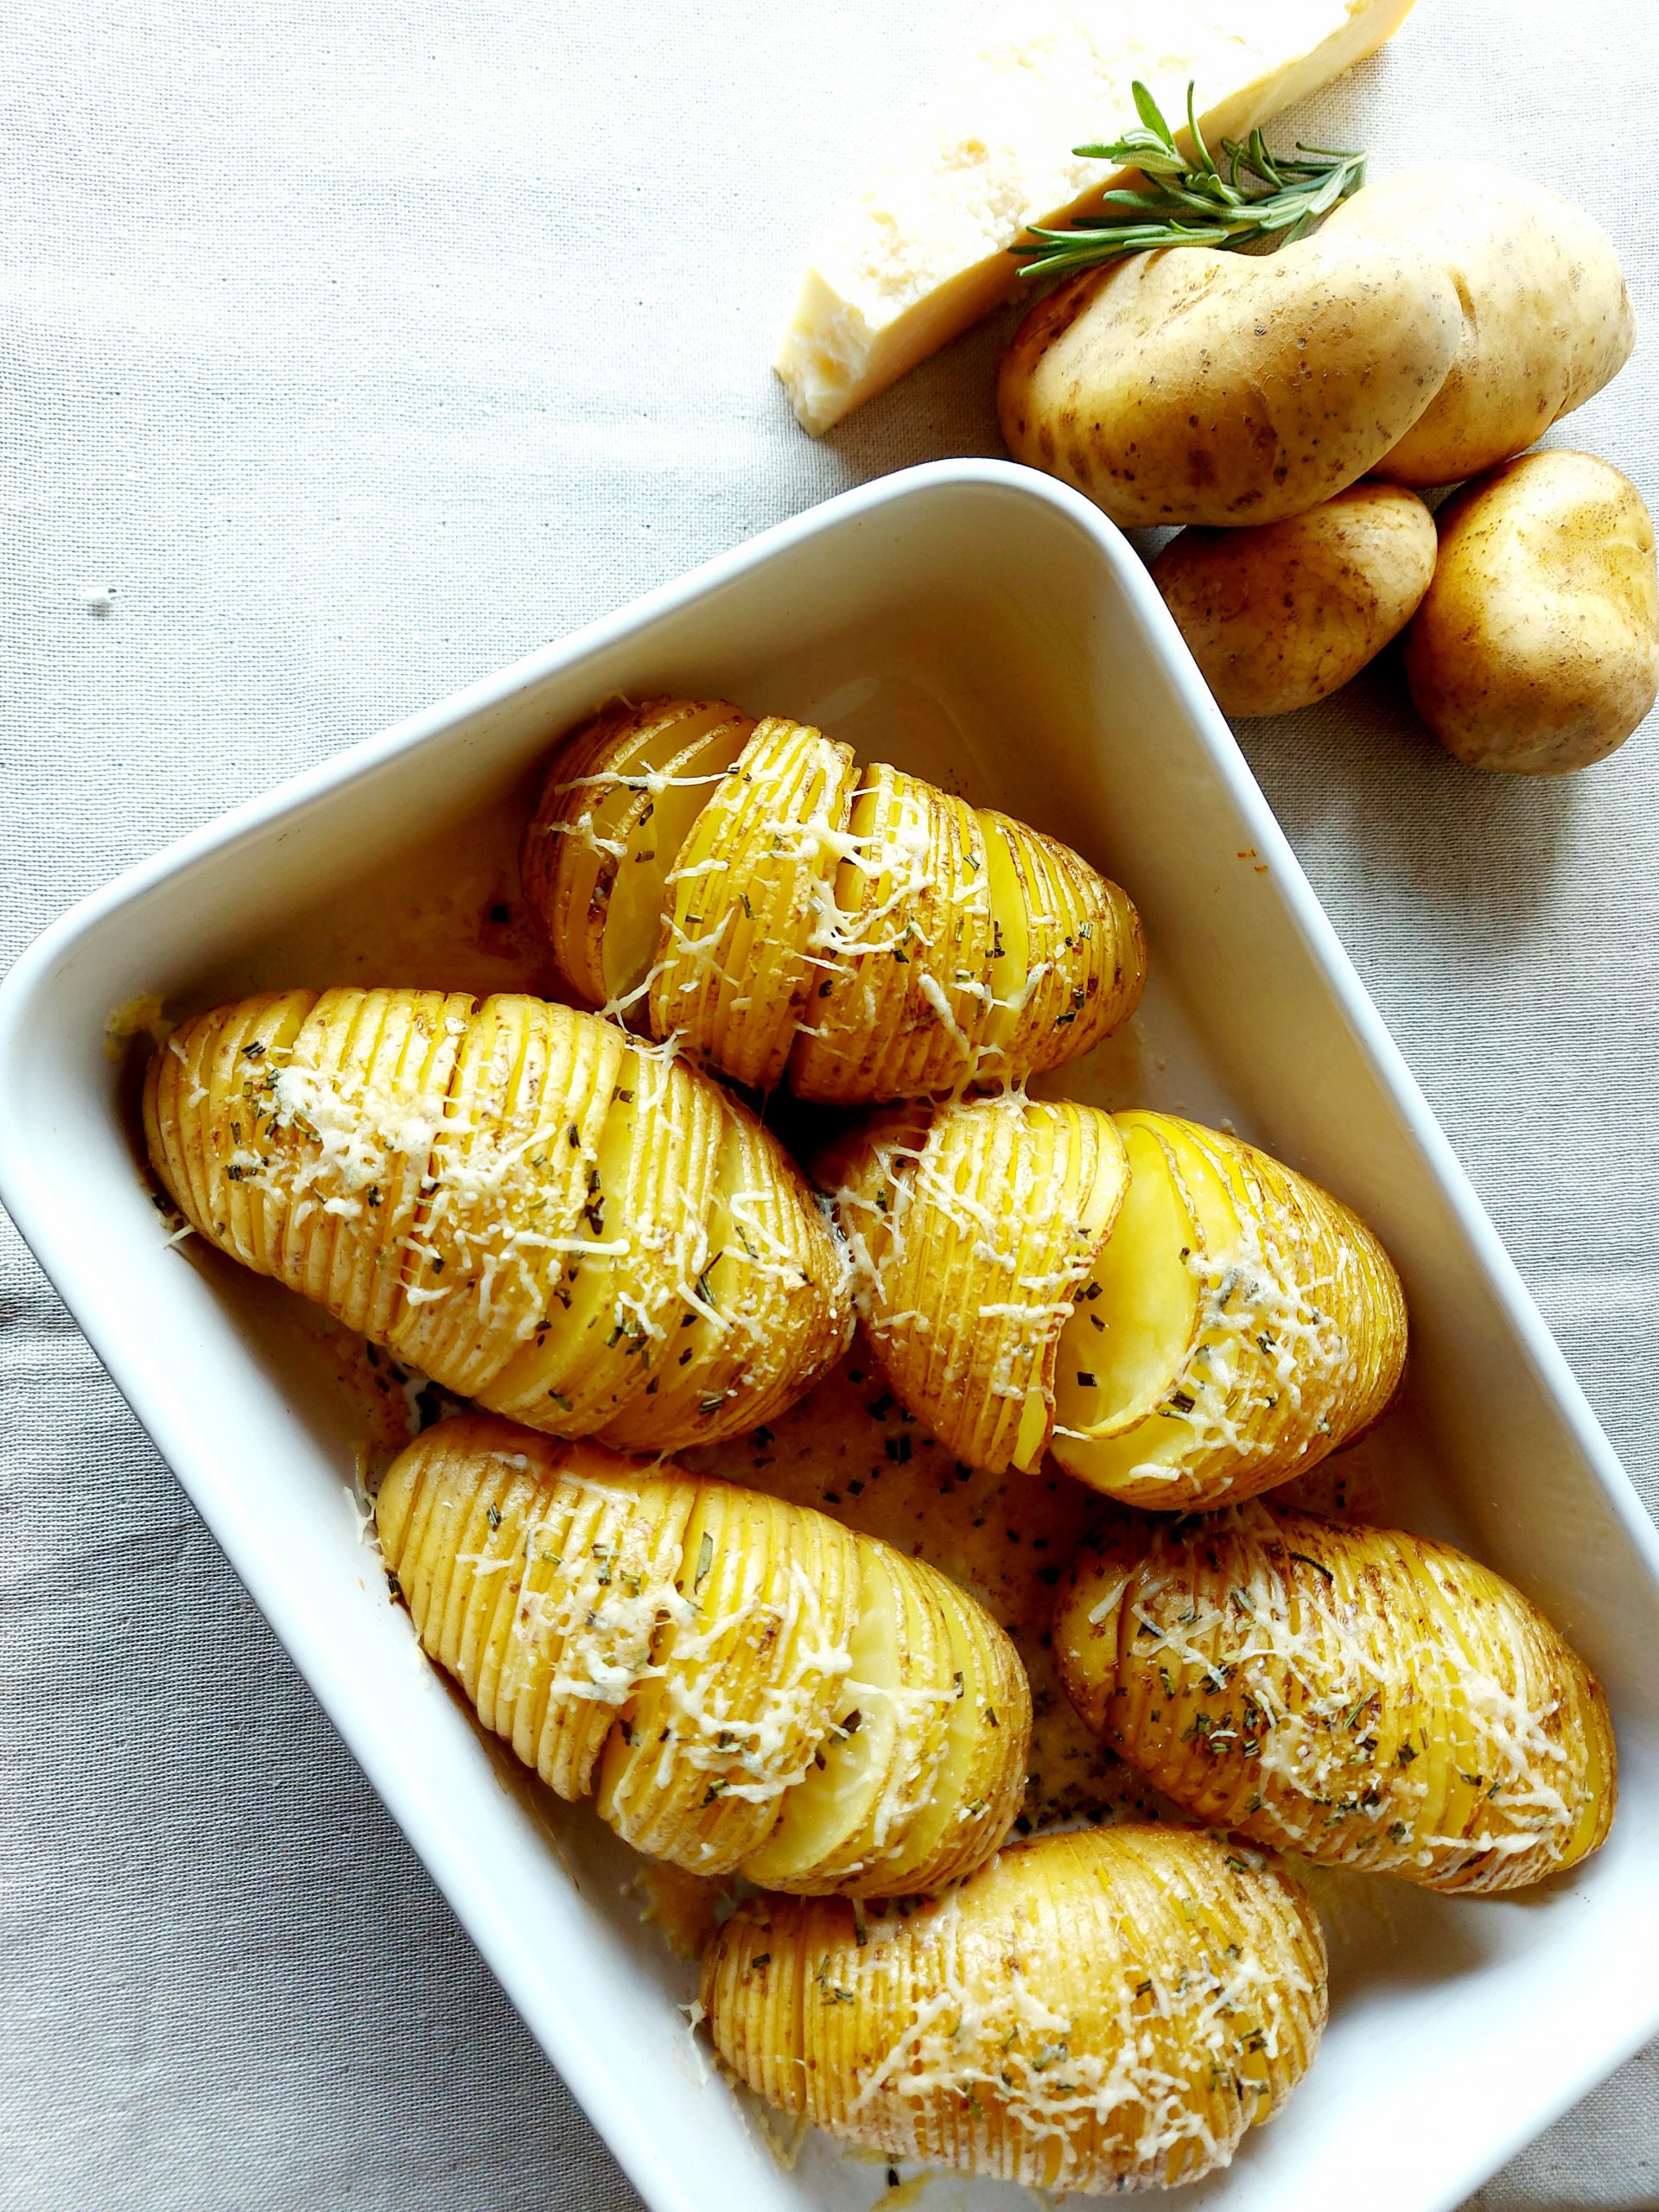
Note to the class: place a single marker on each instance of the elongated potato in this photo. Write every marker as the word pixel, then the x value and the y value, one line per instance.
pixel 1536 649
pixel 1177 1318
pixel 513 1197
pixel 1097 2011
pixel 1198 386
pixel 1367 1698
pixel 1546 321
pixel 855 936
pixel 747 1685
pixel 1281 615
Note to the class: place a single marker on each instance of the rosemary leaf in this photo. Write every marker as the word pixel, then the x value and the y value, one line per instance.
pixel 1262 199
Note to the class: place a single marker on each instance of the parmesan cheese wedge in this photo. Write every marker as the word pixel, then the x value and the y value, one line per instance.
pixel 922 253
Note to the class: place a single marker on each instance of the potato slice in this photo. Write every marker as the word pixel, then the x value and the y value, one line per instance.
pixel 972 1228
pixel 509 1193
pixel 536 1573
pixel 207 1103
pixel 499 1222
pixel 1372 1699
pixel 1085 954
pixel 652 839
pixel 357 1103
pixel 1012 905
pixel 981 1777
pixel 1300 1343
pixel 1097 2011
pixel 793 917
pixel 1227 1328
pixel 761 1293
pixel 901 1002
pixel 645 1211
pixel 749 889
pixel 601 809
pixel 827 1817
pixel 750 1671
pixel 1132 1331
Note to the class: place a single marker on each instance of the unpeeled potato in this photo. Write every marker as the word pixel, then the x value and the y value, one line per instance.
pixel 1178 1318
pixel 518 1200
pixel 791 918
pixel 747 1685
pixel 1097 2011
pixel 1283 615
pixel 1367 1697
pixel 1536 647
pixel 1193 385
pixel 1545 320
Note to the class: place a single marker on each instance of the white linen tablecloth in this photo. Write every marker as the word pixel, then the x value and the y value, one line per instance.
pixel 355 350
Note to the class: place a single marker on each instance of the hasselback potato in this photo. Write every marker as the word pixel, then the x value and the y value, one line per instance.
pixel 1098 2011
pixel 522 1204
pixel 745 1684
pixel 1177 1317
pixel 1367 1698
pixel 856 935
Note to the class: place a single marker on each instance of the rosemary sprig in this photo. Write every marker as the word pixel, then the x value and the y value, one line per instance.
pixel 1263 197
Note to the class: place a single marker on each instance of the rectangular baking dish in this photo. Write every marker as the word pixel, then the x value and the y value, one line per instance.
pixel 978 623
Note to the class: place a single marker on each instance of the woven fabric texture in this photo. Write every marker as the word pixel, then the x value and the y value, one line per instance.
pixel 354 351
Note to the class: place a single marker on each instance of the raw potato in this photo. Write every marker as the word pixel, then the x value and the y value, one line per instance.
pixel 1536 649
pixel 857 936
pixel 513 1198
pixel 1546 319
pixel 1194 385
pixel 1093 2011
pixel 1371 1699
pixel 1285 613
pixel 747 1686
pixel 1179 1318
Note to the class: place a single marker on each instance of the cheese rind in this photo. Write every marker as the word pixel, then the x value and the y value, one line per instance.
pixel 922 253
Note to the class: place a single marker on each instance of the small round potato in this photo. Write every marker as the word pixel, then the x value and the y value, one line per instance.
pixel 1285 613
pixel 1546 319
pixel 1536 647
pixel 1196 386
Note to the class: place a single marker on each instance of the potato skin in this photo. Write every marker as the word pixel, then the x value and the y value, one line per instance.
pixel 1546 318
pixel 1193 385
pixel 1371 1699
pixel 682 1646
pixel 510 1195
pixel 1097 2011
pixel 1283 615
pixel 853 935
pixel 1536 647
pixel 973 1227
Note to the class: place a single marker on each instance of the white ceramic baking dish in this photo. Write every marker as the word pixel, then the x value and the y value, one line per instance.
pixel 980 624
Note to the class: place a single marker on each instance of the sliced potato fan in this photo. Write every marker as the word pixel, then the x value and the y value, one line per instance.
pixel 1177 1317
pixel 855 937
pixel 519 1201
pixel 1367 1698
pixel 747 1685
pixel 1095 2011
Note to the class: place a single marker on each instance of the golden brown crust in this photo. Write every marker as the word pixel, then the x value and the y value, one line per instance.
pixel 1095 2012
pixel 978 1232
pixel 538 1213
pixel 1367 1698
pixel 687 1650
pixel 858 938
